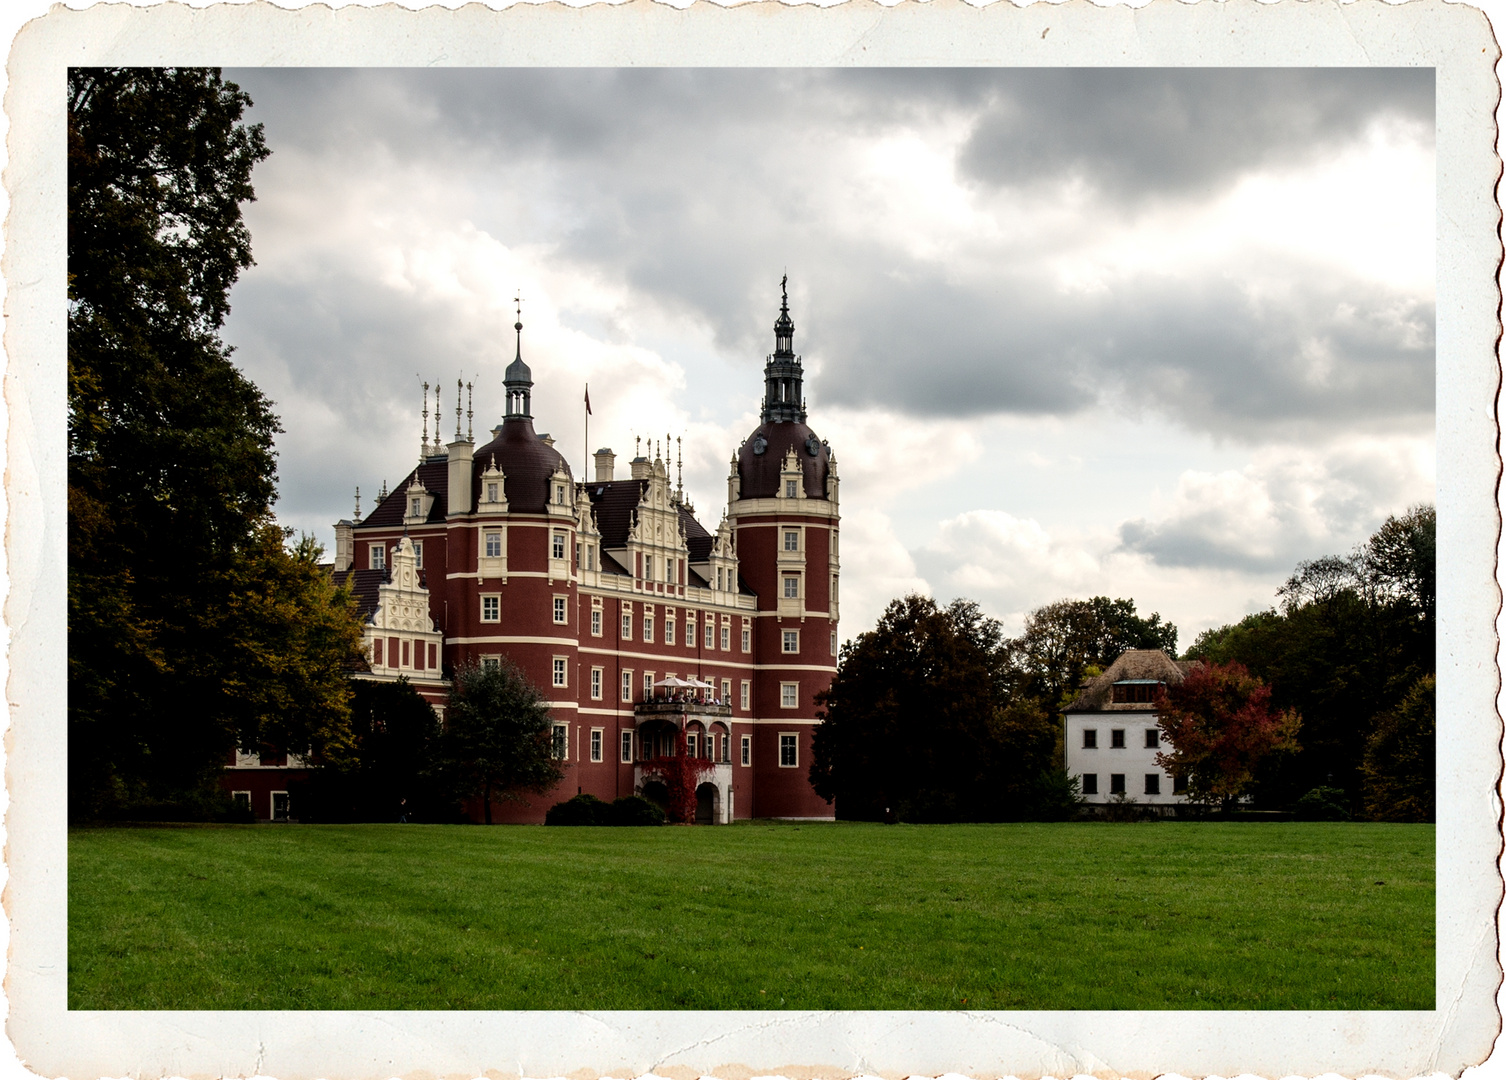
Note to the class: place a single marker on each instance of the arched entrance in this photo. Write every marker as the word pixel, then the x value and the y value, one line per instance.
pixel 707 805
pixel 656 792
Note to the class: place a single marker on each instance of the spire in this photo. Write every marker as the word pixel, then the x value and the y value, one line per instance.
pixel 468 414
pixel 423 450
pixel 438 448
pixel 459 386
pixel 679 470
pixel 518 380
pixel 782 397
pixel 358 504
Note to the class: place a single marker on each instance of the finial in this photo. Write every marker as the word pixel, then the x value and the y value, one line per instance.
pixel 459 386
pixel 383 493
pixel 679 468
pixel 468 413
pixel 637 446
pixel 358 502
pixel 424 452
pixel 518 326
pixel 784 292
pixel 436 416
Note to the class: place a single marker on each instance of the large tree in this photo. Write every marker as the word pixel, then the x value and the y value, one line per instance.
pixel 497 740
pixel 916 723
pixel 183 603
pixel 1063 640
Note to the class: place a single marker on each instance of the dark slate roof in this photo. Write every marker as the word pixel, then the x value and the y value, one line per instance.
pixel 1133 664
pixel 614 502
pixel 364 584
pixel 435 474
pixel 610 565
pixel 758 473
pixel 526 461
pixel 697 540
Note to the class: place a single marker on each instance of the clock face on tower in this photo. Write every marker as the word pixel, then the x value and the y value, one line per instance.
pixel 760 444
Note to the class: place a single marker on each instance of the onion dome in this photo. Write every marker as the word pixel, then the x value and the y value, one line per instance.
pixel 761 457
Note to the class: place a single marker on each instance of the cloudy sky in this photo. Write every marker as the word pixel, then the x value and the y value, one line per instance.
pixel 1154 334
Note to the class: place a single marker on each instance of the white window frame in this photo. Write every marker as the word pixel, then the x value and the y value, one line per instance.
pixel 834 643
pixel 559 744
pixel 561 611
pixel 492 488
pixel 559 494
pixel 272 805
pixel 788 638
pixel 377 556
pixel 791 491
pixel 794 737
pixel 745 697
pixel 786 592
pixel 557 544
pixel 626 749
pixel 491 663
pixel 597 675
pixel 669 630
pixel 627 622
pixel 648 628
pixel 561 671
pixel 791 539
pixel 598 737
pixel 596 622
pixel 494 601
pixel 235 797
pixel 648 685
pixel 788 690
pixel 747 637
pixel 727 691
pixel 491 545
pixel 690 629
pixel 418 554
pixel 711 635
pixel 745 752
pixel 726 637
pixel 627 684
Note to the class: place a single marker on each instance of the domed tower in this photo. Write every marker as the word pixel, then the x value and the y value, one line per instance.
pixel 782 503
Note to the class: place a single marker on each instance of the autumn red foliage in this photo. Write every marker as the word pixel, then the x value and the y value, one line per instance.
pixel 1218 724
pixel 681 774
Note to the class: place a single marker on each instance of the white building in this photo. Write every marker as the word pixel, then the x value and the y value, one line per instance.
pixel 1112 739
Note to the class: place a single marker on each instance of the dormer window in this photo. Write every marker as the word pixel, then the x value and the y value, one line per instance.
pixel 418 507
pixel 491 492
pixel 1136 691
pixel 379 556
pixel 559 493
pixel 789 489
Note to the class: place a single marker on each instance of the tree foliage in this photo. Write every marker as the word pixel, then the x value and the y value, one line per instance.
pixel 1219 724
pixel 1064 639
pixel 192 629
pixel 497 739
pixel 1400 758
pixel 917 723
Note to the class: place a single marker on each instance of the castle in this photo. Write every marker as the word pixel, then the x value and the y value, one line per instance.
pixel 636 622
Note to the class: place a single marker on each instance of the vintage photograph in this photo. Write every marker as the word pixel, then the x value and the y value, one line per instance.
pixel 731 539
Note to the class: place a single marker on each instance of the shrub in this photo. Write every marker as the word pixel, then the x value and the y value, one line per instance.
pixel 633 810
pixel 1322 804
pixel 581 810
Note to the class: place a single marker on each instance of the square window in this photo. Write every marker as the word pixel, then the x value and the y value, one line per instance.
pixel 710 634
pixel 1152 738
pixel 1090 783
pixel 558 548
pixel 596 736
pixel 1152 783
pixel 789 489
pixel 746 695
pixel 491 609
pixel 789 695
pixel 596 684
pixel 791 540
pixel 792 588
pixel 747 639
pixel 560 612
pixel 747 750
pixel 1116 739
pixel 493 545
pixel 418 554
pixel 1116 783
pixel 627 686
pixel 789 751
pixel 596 622
pixel 791 641
pixel 378 556
pixel 627 747
pixel 559 671
pixel 490 663
pixel 560 744
pixel 648 628
pixel 1090 738
pixel 669 631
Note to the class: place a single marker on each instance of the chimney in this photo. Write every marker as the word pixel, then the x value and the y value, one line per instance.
pixel 461 452
pixel 606 462
pixel 641 468
pixel 345 545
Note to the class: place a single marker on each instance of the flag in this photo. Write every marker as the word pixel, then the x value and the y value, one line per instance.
pixel 588 399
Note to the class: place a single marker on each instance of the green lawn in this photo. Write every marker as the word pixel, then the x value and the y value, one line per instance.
pixel 1072 916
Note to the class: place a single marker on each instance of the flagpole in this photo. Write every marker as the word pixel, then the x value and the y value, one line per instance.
pixel 586 449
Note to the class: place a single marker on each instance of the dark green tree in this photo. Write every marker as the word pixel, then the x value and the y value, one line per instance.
pixel 1400 759
pixel 497 740
pixel 1063 640
pixel 913 725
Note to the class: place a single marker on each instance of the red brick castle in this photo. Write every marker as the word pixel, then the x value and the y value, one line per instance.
pixel 611 596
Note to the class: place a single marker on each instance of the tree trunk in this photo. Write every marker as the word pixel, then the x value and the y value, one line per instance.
pixel 488 797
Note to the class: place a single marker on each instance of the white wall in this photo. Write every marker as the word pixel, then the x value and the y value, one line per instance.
pixel 1133 761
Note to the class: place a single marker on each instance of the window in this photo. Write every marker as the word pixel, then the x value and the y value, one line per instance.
pixel 596 735
pixel 791 641
pixel 792 588
pixel 491 492
pixel 720 580
pixel 1152 738
pixel 747 637
pixel 378 556
pixel 1179 785
pixel 791 540
pixel 376 653
pixel 493 545
pixel 418 506
pixel 1116 783
pixel 596 622
pixel 418 554
pixel 747 749
pixel 627 622
pixel 560 745
pixel 746 695
pixel 648 628
pixel 789 489
pixel 596 684
pixel 727 691
pixel 1152 783
pixel 710 633
pixel 834 643
pixel 590 557
pixel 560 671
pixel 280 806
pixel 1138 690
pixel 789 750
pixel 1116 739
pixel 627 686
pixel 669 631
pixel 491 609
pixel 242 800
pixel 690 745
pixel 690 628
pixel 490 663
pixel 1090 738
pixel 627 747
pixel 1090 783
pixel 726 638
pixel 789 695
pixel 560 614
pixel 648 685
pixel 558 548
pixel 559 497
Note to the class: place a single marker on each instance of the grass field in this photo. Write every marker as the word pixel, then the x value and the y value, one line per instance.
pixel 1071 916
